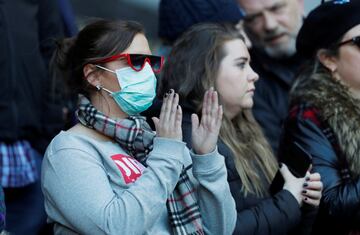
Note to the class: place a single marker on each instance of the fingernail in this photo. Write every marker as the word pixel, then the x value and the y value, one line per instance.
pixel 280 164
pixel 307 178
pixel 305 184
pixel 304 191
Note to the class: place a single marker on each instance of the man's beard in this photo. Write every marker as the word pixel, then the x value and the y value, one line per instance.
pixel 282 50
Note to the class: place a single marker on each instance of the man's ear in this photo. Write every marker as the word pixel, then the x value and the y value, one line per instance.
pixel 329 61
pixel 90 75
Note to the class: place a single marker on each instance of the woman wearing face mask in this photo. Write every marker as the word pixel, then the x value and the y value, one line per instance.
pixel 325 112
pixel 110 174
pixel 214 56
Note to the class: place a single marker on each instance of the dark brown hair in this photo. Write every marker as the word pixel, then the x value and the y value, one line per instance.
pixel 96 41
pixel 195 58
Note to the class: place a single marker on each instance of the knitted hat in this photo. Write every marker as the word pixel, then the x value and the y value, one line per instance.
pixel 326 25
pixel 176 16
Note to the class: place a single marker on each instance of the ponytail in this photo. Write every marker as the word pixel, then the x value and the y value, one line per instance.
pixel 97 40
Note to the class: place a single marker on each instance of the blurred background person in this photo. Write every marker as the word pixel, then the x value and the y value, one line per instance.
pixel 325 112
pixel 176 16
pixel 144 11
pixel 272 26
pixel 68 18
pixel 30 116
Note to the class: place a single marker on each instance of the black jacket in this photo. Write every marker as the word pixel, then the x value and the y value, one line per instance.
pixel 27 28
pixel 256 215
pixel 325 121
pixel 271 95
pixel 340 205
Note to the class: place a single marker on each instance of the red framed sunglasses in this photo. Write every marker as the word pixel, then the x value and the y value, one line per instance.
pixel 137 61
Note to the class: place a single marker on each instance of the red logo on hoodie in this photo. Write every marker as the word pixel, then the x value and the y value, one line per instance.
pixel 130 168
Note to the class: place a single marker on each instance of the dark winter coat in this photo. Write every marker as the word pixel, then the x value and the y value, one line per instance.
pixel 28 29
pixel 325 120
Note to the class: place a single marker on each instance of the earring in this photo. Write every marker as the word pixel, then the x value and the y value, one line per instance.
pixel 98 87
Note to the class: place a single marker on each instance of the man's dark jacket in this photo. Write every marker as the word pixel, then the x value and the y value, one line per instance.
pixel 271 94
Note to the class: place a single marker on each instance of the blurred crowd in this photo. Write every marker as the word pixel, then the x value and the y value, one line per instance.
pixel 243 119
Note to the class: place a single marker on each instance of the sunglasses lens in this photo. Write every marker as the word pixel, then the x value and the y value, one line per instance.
pixel 356 41
pixel 156 62
pixel 137 61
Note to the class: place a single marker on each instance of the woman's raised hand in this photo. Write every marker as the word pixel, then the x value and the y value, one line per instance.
pixel 205 133
pixel 168 125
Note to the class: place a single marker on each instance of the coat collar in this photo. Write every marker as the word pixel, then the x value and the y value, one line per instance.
pixel 337 108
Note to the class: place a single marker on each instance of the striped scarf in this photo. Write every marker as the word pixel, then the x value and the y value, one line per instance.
pixel 135 136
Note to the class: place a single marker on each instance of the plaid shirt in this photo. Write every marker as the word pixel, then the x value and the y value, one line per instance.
pixel 17 164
